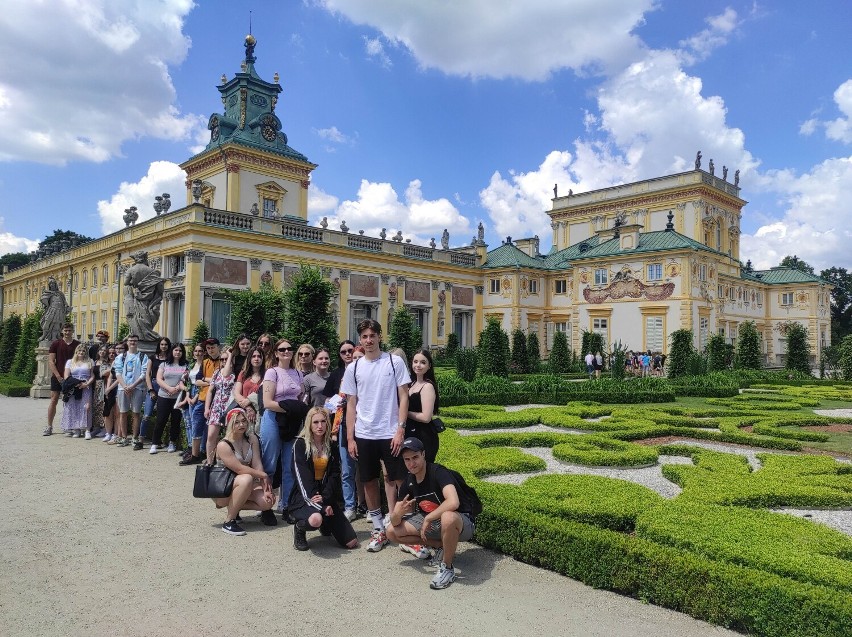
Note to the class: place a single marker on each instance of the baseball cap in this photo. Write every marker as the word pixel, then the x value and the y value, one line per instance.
pixel 412 443
pixel 212 341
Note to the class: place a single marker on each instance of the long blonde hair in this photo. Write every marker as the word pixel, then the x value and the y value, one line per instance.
pixel 81 357
pixel 308 436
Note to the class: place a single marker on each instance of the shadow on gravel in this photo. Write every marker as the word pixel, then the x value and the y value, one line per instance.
pixel 473 564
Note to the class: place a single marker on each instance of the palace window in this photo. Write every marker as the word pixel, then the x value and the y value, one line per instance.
pixel 105 275
pixel 655 272
pixel 269 207
pixel 561 286
pixel 104 320
pixel 703 327
pixel 220 322
pixel 178 264
pixel 94 277
pixel 760 298
pixel 720 291
pixel 494 286
pixel 85 279
pixel 601 276
pixel 702 272
pixel 654 333
pixel 787 298
pixel 601 326
pixel 719 237
pixel 533 286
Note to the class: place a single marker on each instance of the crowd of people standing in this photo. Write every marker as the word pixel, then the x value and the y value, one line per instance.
pixel 307 442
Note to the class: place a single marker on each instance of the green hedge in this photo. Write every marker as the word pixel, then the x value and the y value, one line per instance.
pixel 13 386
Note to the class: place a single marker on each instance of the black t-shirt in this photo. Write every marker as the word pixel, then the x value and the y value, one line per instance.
pixel 429 494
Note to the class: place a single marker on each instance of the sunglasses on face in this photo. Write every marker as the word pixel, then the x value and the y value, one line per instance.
pixel 285 349
pixel 343 352
pixel 304 353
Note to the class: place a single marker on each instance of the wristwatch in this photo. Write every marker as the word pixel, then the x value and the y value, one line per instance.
pixel 400 425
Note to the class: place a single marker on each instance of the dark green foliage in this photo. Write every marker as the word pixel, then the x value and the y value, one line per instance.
pixel 13 386
pixel 586 344
pixel 200 333
pixel 520 356
pixel 124 331
pixel 841 301
pixel 493 350
pixel 25 364
pixel 560 360
pixel 257 312
pixel 9 342
pixel 466 363
pixel 452 346
pixel 798 348
pixel 66 235
pixel 717 353
pixel 748 347
pixel 14 260
pixel 619 358
pixel 797 264
pixel 533 353
pixel 403 332
pixel 307 314
pixel 678 361
pixel 845 361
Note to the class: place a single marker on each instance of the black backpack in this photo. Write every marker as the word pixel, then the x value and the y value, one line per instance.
pixel 466 492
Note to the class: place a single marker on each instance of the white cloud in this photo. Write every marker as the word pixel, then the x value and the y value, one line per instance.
pixel 320 203
pixel 375 49
pixel 840 129
pixel 701 45
pixel 505 38
pixel 163 176
pixel 816 222
pixel 334 135
pixel 378 206
pixel 77 85
pixel 12 243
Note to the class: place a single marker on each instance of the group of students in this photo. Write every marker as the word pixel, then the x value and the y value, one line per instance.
pixel 645 363
pixel 312 443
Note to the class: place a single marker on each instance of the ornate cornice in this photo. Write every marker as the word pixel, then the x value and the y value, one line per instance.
pixel 194 256
pixel 344 274
pixel 255 263
pixel 277 266
pixel 641 201
pixel 245 157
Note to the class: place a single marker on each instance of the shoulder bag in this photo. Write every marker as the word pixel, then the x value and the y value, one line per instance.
pixel 213 481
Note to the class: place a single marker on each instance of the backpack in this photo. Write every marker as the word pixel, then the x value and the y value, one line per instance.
pixel 468 493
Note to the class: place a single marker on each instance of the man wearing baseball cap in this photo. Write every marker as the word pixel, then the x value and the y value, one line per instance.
pixel 436 507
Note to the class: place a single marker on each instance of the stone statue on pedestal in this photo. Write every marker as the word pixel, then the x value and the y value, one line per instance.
pixel 56 308
pixel 143 296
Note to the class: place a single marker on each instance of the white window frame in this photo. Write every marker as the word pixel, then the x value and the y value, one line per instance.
pixel 702 272
pixel 494 286
pixel 655 272
pixel 561 286
pixel 533 286
pixel 654 336
pixel 786 298
pixel 601 276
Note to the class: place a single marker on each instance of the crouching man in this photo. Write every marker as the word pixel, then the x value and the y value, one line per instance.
pixel 434 507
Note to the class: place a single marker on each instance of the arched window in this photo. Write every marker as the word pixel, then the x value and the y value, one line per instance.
pixel 85 278
pixel 94 277
pixel 105 274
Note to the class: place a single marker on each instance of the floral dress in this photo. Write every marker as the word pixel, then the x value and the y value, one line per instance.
pixel 222 386
pixel 76 415
pixel 100 396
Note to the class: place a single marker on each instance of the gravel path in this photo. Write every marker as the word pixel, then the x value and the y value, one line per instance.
pixel 101 541
pixel 840 520
pixel 839 413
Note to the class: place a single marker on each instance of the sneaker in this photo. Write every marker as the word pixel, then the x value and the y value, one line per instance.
pixel 191 460
pixel 48 431
pixel 108 437
pixel 443 578
pixel 88 435
pixel 137 444
pixel 300 539
pixel 417 550
pixel 69 434
pixel 123 442
pixel 268 518
pixel 171 448
pixel 186 455
pixel 386 521
pixel 378 541
pixel 153 449
pixel 232 528
pixel 350 514
pixel 437 558
pixel 361 510
pixel 75 434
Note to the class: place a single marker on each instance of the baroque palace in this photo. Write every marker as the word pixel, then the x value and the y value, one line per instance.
pixel 633 262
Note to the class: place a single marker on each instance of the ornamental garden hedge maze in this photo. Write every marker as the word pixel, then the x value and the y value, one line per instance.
pixel 717 550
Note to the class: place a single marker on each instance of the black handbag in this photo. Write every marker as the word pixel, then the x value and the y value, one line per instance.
pixel 438 424
pixel 213 481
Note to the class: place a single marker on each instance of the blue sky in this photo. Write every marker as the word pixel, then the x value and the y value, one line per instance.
pixel 425 115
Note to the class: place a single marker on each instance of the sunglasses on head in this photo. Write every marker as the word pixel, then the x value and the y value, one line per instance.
pixel 285 349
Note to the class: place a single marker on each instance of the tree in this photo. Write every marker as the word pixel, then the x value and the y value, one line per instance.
pixel 748 347
pixel 841 301
pixel 717 353
pixel 256 312
pixel 452 346
pixel 308 316
pixel 466 362
pixel 533 352
pixel 124 331
pixel 25 358
pixel 560 358
pixel 14 260
pixel 798 348
pixel 493 350
pixel 520 357
pixel 797 264
pixel 64 235
pixel 200 333
pixel 9 342
pixel 680 354
pixel 846 357
pixel 619 359
pixel 404 333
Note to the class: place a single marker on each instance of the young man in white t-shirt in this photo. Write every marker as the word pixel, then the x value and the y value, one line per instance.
pixel 130 370
pixel 376 386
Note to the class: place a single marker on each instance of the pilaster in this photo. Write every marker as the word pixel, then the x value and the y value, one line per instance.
pixel 192 282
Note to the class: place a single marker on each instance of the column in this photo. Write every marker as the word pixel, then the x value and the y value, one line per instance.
pixel 478 319
pixel 341 284
pixel 192 287
pixel 436 332
pixel 254 281
pixel 384 300
pixel 277 275
pixel 233 176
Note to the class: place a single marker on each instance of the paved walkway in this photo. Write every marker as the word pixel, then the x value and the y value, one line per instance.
pixel 106 541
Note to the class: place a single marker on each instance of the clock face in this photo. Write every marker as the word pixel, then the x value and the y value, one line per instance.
pixel 268 133
pixel 214 133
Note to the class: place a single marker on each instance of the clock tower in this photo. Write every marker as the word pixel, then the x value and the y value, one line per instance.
pixel 248 166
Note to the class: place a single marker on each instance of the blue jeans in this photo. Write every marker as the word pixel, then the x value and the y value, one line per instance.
pixel 273 450
pixel 347 473
pixel 199 424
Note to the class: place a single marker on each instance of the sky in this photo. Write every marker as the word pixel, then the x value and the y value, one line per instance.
pixel 430 115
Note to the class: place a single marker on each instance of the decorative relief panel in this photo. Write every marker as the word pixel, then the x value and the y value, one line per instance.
pixel 363 285
pixel 418 291
pixel 226 271
pixel 462 295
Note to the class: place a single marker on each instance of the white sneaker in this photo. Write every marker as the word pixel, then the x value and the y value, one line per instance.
pixel 443 578
pixel 108 437
pixel 171 448
pixel 88 435
pixel 153 449
pixel 378 541
pixel 417 550
pixel 350 514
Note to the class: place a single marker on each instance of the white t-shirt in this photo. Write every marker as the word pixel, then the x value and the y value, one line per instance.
pixel 377 411
pixel 590 359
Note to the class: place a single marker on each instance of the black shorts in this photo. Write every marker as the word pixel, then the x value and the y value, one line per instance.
pixel 55 385
pixel 370 452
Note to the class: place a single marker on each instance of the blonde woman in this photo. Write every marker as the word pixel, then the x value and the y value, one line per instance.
pixel 239 450
pixel 316 501
pixel 77 415
pixel 305 358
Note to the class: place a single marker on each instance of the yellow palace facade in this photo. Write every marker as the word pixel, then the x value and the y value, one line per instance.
pixel 632 262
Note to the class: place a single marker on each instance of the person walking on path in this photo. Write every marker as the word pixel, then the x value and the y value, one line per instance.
pixel 377 407
pixel 60 352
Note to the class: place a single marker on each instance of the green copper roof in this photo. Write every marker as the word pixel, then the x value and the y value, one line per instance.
pixel 648 242
pixel 782 275
pixel 249 118
pixel 509 256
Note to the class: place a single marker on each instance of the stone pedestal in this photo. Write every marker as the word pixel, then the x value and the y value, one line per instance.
pixel 41 383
